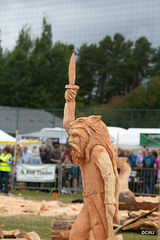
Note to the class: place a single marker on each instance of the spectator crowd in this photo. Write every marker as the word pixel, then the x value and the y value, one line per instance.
pixel 46 154
pixel 145 168
pixel 146 165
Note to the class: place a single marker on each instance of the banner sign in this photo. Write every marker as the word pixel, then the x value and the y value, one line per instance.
pixel 35 173
pixel 151 140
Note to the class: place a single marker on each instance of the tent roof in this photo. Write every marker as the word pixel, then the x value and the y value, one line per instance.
pixel 114 131
pixel 4 137
pixel 49 133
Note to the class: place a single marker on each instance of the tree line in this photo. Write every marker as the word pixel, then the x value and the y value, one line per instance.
pixel 35 72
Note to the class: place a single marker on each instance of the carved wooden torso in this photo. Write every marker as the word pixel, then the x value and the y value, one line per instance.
pixel 92 180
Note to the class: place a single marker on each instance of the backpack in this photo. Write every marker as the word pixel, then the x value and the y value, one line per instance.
pixel 132 159
pixel 148 162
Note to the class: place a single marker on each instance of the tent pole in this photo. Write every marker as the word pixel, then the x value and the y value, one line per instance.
pixel 14 162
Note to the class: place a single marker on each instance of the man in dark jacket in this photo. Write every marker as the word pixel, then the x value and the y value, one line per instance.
pixel 148 175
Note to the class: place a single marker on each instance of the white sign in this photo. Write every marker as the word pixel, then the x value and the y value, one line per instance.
pixel 35 173
pixel 19 137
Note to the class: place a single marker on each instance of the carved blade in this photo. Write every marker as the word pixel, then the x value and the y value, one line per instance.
pixel 72 70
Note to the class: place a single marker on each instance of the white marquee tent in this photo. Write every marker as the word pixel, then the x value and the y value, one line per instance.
pixel 114 132
pixel 62 135
pixel 127 138
pixel 46 133
pixel 131 138
pixel 6 138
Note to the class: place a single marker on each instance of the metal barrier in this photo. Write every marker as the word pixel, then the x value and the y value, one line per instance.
pixel 68 180
pixel 144 181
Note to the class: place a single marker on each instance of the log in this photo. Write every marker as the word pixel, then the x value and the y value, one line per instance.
pixel 136 206
pixel 60 229
pixel 32 236
pixel 21 235
pixel 1 233
pixel 11 234
pixel 140 212
pixel 135 220
pixel 15 238
pixel 141 225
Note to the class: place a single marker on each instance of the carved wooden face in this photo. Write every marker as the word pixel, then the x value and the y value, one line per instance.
pixel 77 141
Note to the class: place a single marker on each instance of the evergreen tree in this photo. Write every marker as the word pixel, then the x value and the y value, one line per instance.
pixel 86 73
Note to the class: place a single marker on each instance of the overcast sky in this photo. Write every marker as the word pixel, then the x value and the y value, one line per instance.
pixel 81 21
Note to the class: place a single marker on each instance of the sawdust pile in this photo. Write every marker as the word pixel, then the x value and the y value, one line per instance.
pixel 11 205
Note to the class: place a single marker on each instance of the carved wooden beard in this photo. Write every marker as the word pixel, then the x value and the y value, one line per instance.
pixel 78 141
pixel 77 152
pixel 76 156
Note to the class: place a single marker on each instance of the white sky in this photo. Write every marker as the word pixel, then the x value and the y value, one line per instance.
pixel 81 21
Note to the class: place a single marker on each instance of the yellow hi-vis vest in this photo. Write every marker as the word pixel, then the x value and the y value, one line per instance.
pixel 5 167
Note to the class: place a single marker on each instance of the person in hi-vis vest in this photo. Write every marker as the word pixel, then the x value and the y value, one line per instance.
pixel 6 160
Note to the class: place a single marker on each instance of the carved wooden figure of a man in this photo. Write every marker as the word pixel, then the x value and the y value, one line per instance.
pixel 93 151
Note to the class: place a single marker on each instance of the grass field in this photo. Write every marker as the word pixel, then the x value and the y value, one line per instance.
pixel 41 224
pixel 46 196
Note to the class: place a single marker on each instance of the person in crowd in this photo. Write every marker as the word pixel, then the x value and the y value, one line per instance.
pixel 140 157
pixel 6 161
pixel 131 158
pixel 19 155
pixel 148 174
pixel 121 152
pixel 35 159
pixel 42 151
pixel 26 154
pixel 158 153
pixel 12 147
pixel 56 159
pixel 67 153
pixel 75 171
pixel 132 162
pixel 75 177
pixel 155 155
pixel 56 154
pixel 139 160
pixel 46 155
pixel 67 172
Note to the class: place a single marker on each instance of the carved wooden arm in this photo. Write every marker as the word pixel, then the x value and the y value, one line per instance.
pixel 70 106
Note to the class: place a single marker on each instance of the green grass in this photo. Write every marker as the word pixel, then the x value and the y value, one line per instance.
pixel 137 236
pixel 40 196
pixel 42 224
pixel 28 223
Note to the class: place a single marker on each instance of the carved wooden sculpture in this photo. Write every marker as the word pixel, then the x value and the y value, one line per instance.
pixel 124 193
pixel 92 149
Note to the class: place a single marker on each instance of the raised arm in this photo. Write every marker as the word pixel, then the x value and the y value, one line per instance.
pixel 70 105
pixel 70 95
